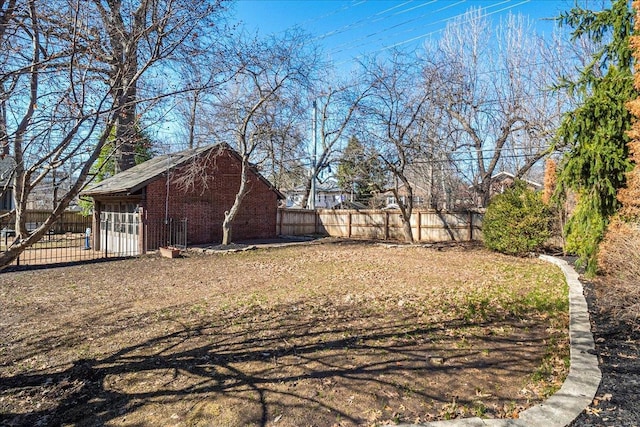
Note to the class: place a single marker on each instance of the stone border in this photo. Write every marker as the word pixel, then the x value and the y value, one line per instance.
pixel 581 383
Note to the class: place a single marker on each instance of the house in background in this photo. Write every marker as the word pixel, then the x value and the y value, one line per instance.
pixel 47 193
pixel 432 188
pixel 7 167
pixel 503 180
pixel 328 195
pixel 420 195
pixel 180 198
pixel 499 183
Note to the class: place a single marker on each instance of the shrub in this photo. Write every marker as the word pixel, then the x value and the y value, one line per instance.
pixel 516 221
pixel 619 268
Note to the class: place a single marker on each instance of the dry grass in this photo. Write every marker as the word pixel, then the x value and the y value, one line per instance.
pixel 334 334
pixel 619 263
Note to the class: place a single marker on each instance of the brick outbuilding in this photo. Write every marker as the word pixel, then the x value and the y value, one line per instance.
pixel 180 199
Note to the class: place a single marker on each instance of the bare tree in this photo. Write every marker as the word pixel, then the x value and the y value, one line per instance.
pixel 189 109
pixel 334 109
pixel 270 74
pixel 395 111
pixel 203 76
pixel 282 155
pixel 134 35
pixel 498 110
pixel 63 92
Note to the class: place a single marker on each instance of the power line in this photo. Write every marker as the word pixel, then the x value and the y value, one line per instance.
pixel 359 23
pixel 331 13
pixel 445 20
pixel 422 36
pixel 352 44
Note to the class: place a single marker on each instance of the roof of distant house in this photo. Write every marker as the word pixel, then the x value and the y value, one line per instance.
pixel 330 185
pixel 506 175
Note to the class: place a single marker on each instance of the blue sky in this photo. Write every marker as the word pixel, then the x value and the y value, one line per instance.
pixel 347 29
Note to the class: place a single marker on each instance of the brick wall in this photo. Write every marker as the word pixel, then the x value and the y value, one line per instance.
pixel 204 205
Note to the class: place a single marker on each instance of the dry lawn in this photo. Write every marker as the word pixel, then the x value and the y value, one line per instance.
pixel 334 334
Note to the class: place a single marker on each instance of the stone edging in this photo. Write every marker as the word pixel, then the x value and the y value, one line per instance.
pixel 580 386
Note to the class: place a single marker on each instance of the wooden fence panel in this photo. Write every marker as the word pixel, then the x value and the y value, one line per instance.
pixel 442 226
pixel 369 225
pixel 296 222
pixel 426 225
pixel 334 222
pixel 73 221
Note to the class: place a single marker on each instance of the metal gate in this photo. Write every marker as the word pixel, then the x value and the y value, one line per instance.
pixel 120 229
pixel 169 232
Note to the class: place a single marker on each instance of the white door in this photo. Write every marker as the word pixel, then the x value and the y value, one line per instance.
pixel 119 229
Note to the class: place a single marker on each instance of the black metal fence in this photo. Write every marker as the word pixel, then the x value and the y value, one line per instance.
pixel 171 232
pixel 65 242
pixel 119 236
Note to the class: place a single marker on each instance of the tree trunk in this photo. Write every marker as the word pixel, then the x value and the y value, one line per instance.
pixel 231 214
pixel 406 211
pixel 406 230
pixel 226 229
pixel 123 81
pixel 126 137
pixel 485 191
pixel 126 134
pixel 307 192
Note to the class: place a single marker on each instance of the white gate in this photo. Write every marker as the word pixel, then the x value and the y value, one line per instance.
pixel 120 229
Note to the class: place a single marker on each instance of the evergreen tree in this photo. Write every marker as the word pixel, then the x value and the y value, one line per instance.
pixel 595 132
pixel 629 196
pixel 359 173
pixel 517 222
pixel 105 165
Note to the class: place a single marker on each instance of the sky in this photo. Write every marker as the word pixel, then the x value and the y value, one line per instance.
pixel 349 29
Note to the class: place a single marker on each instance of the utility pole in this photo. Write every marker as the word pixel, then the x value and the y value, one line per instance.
pixel 312 197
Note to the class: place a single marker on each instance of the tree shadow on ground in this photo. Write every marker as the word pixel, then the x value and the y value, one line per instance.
pixel 296 364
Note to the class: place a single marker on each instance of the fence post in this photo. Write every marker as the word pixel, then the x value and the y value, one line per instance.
pixel 171 233
pixel 419 226
pixel 470 214
pixel 386 225
pixel 106 237
pixel 349 225
pixel 279 223
pixel 143 236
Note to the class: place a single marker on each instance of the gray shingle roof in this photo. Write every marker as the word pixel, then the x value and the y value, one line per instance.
pixel 132 180
pixel 136 178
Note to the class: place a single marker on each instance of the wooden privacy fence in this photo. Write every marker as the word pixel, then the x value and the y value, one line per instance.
pixel 73 221
pixel 426 225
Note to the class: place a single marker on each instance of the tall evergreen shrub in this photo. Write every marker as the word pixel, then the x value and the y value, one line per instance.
pixel 517 222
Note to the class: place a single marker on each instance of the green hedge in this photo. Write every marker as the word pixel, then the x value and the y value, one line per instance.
pixel 517 222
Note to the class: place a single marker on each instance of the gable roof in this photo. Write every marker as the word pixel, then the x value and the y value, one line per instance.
pixel 330 185
pixel 501 176
pixel 134 179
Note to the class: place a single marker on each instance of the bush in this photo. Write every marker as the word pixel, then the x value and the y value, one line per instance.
pixel 619 269
pixel 516 221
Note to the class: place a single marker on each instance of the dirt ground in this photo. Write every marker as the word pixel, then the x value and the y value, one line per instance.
pixel 335 334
